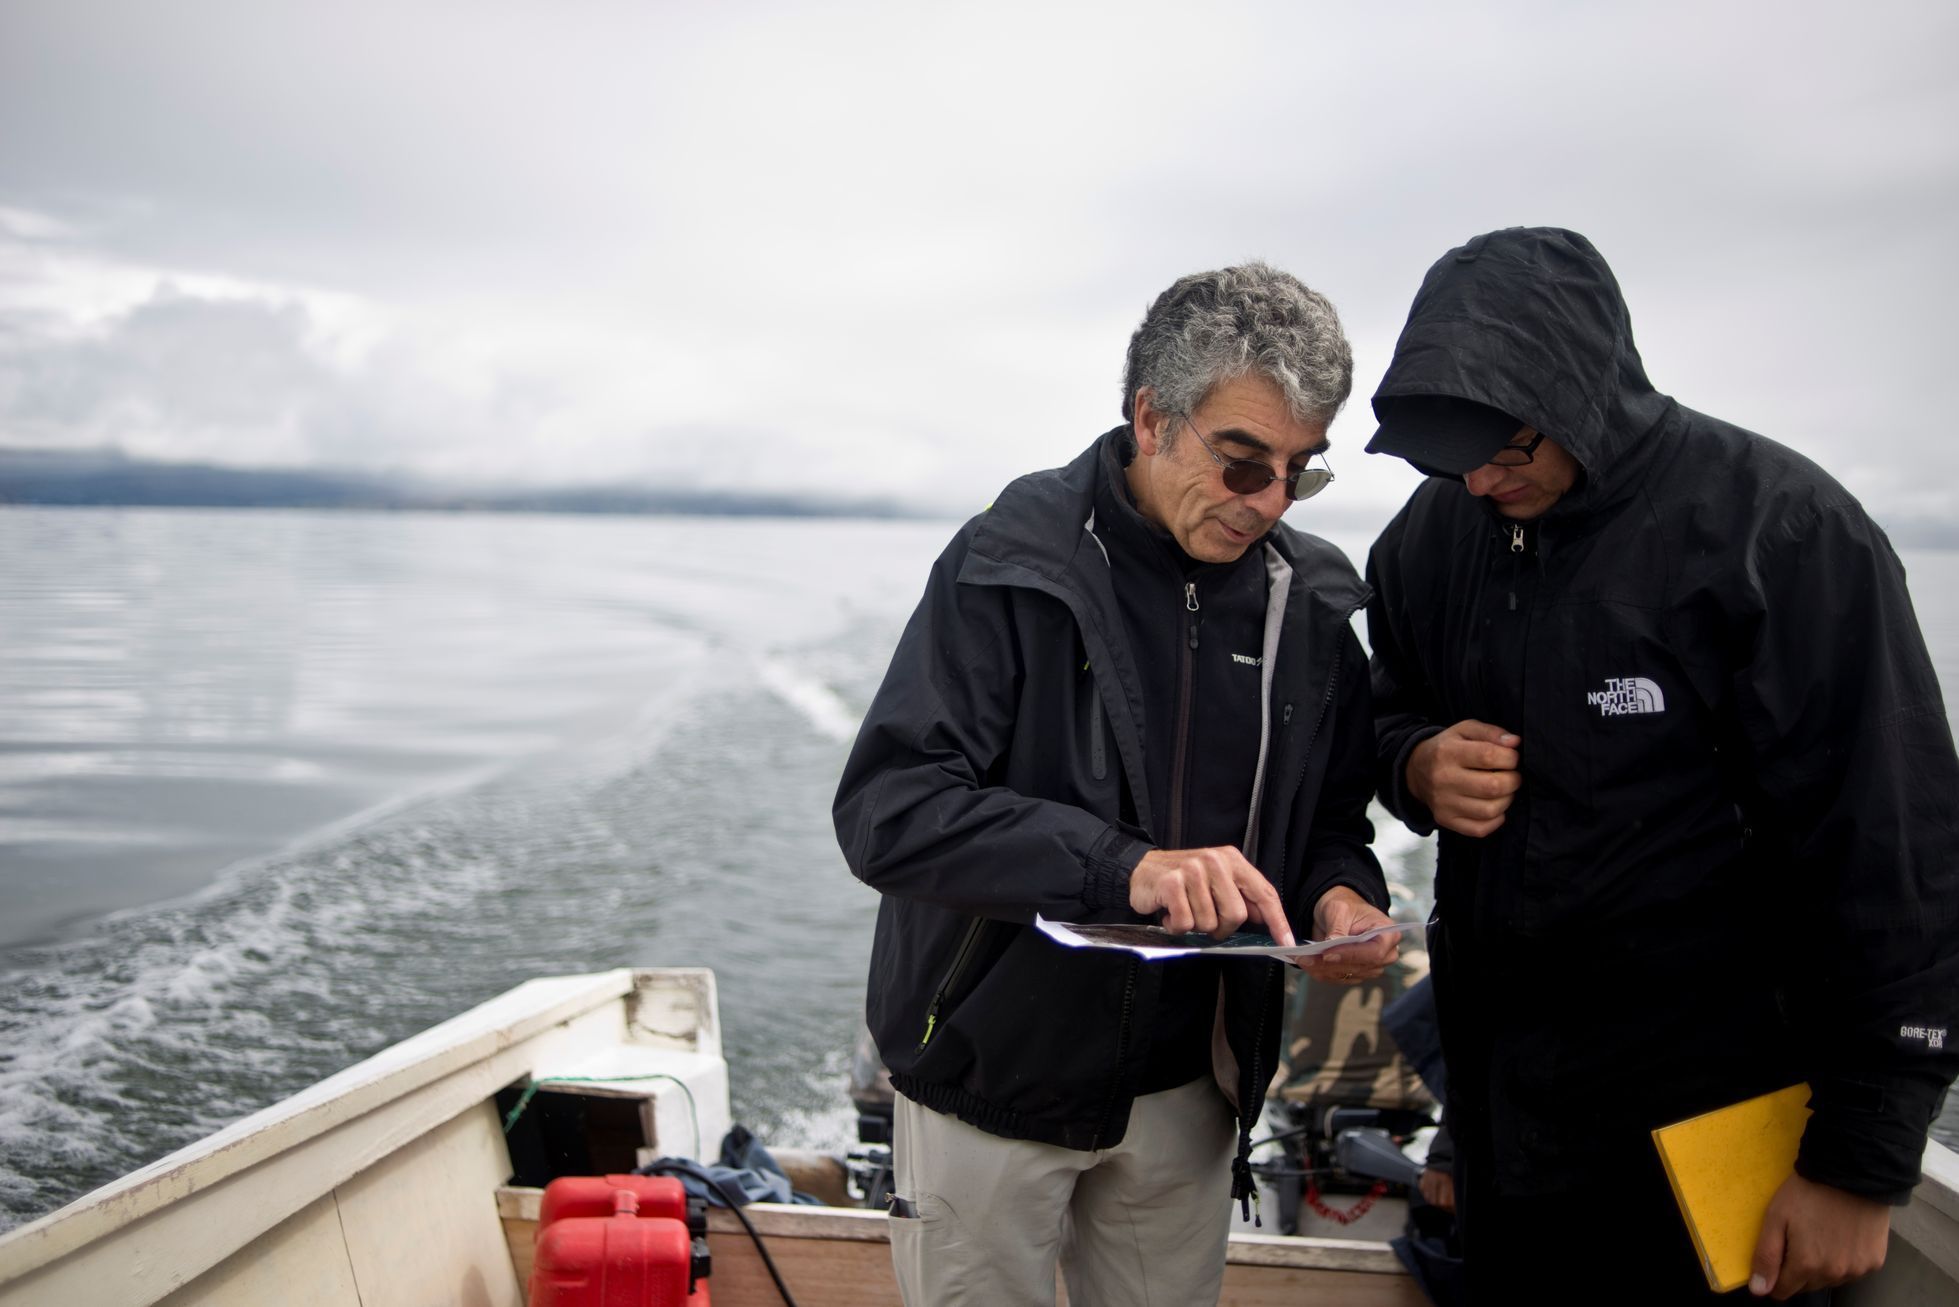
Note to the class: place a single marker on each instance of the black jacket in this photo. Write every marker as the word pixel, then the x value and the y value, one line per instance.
pixel 999 773
pixel 1732 864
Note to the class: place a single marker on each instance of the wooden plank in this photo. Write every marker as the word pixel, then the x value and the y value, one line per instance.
pixel 783 1221
pixel 848 1223
pixel 422 1225
pixel 820 1272
pixel 519 1203
pixel 301 1263
pixel 841 1256
pixel 1280 1286
pixel 844 1262
pixel 521 1238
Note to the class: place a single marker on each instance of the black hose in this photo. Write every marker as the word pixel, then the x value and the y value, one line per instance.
pixel 733 1205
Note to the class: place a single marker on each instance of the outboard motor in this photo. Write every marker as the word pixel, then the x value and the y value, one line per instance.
pixel 1341 1076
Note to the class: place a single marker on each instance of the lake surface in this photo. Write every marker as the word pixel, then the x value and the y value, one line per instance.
pixel 280 788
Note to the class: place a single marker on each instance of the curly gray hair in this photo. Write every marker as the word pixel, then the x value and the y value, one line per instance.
pixel 1212 327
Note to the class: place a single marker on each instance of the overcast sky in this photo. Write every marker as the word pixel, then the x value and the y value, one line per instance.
pixel 898 249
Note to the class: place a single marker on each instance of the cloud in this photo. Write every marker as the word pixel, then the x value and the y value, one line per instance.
pixel 176 375
pixel 885 249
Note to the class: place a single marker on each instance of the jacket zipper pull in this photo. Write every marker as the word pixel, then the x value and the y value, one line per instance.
pixel 1190 605
pixel 1516 537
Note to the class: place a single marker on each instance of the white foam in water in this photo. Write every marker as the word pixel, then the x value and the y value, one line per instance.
pixel 139 1035
pixel 822 707
pixel 826 1119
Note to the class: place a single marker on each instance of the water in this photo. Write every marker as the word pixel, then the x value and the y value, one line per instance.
pixel 278 789
pixel 542 745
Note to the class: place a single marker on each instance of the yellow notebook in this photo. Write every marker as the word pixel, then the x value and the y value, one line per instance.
pixel 1725 1166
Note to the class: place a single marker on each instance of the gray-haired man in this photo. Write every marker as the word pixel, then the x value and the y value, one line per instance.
pixel 1128 692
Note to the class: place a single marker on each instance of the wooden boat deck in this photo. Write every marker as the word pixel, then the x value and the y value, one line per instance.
pixel 385 1186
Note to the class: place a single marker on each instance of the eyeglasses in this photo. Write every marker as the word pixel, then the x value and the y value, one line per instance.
pixel 1518 455
pixel 1248 476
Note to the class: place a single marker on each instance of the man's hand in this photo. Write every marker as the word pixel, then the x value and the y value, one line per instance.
pixel 1212 890
pixel 1467 776
pixel 1814 1237
pixel 1438 1188
pixel 1340 911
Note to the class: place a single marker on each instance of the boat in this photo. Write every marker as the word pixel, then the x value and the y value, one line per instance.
pixel 390 1184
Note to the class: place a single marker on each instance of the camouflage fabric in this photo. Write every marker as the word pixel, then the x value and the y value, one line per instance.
pixel 1334 1050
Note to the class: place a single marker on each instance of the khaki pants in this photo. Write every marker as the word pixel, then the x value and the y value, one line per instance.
pixel 1141 1223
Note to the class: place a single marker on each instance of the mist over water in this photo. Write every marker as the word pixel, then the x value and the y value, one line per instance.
pixel 279 789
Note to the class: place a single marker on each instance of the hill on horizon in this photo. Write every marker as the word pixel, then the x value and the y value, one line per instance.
pixel 108 477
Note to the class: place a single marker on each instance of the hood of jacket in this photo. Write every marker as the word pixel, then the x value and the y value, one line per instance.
pixel 1530 321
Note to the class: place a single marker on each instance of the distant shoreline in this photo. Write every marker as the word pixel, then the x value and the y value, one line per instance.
pixel 109 479
pixel 106 478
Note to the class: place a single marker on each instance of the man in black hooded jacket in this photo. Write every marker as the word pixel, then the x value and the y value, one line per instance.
pixel 1127 692
pixel 1658 681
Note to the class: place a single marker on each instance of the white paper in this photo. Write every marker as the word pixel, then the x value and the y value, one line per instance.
pixel 1156 942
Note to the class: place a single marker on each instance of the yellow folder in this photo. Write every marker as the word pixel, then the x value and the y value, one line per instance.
pixel 1724 1167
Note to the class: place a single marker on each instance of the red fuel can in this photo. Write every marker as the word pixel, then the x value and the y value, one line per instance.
pixel 592 1195
pixel 630 1258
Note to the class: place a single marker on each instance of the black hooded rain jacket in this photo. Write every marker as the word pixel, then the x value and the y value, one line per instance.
pixel 999 773
pixel 1732 864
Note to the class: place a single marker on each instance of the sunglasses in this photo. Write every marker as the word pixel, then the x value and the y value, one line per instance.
pixel 1248 476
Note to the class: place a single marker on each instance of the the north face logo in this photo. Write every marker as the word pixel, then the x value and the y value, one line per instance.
pixel 1624 695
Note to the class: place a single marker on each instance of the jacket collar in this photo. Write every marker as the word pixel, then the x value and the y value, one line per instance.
pixel 1041 534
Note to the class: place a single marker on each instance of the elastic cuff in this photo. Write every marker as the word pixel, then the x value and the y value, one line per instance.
pixel 1869 1154
pixel 1109 864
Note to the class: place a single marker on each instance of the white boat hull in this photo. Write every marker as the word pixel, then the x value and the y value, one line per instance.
pixel 385 1186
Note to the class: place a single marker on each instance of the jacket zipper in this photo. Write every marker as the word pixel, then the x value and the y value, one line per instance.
pixel 1241 1176
pixel 1186 676
pixel 960 960
pixel 1187 660
pixel 1122 1050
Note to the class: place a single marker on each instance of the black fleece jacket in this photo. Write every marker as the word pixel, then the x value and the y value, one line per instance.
pixel 1732 864
pixel 1001 772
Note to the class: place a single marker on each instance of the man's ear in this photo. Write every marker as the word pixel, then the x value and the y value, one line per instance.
pixel 1150 423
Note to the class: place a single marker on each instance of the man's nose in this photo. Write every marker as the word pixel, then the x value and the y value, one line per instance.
pixel 1483 479
pixel 1271 502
